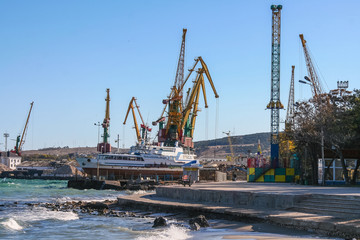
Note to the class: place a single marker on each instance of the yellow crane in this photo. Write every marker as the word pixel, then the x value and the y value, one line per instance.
pixel 192 99
pixel 312 79
pixel 232 158
pixel 144 128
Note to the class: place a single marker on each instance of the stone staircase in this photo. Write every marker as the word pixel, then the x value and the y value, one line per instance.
pixel 332 205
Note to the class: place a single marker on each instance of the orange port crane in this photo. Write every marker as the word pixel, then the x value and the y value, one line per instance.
pixel 20 141
pixel 192 99
pixel 144 128
pixel 180 126
pixel 312 79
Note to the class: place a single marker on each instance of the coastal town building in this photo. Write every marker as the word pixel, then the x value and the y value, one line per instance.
pixel 9 159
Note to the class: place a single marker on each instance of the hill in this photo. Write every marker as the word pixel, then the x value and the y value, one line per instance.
pixel 242 145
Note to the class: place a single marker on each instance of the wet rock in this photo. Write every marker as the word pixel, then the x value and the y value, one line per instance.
pixel 96 205
pixel 195 226
pixel 201 220
pixel 159 222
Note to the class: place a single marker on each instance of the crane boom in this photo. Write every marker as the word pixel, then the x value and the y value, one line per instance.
pixel 144 127
pixel 314 79
pixel 21 141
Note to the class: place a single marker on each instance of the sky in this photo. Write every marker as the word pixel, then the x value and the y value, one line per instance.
pixel 63 55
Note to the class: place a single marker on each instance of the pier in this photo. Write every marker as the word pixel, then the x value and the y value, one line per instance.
pixel 332 211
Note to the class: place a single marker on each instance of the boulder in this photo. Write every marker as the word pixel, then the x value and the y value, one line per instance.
pixel 159 222
pixel 195 226
pixel 201 220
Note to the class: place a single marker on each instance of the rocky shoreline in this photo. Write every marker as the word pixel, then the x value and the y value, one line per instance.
pixel 110 208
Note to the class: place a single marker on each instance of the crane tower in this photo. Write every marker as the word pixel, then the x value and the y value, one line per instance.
pixel 275 105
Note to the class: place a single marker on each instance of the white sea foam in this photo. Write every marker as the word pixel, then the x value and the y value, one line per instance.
pixel 172 232
pixel 41 213
pixel 11 224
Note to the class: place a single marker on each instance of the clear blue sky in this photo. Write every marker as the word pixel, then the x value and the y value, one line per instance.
pixel 64 54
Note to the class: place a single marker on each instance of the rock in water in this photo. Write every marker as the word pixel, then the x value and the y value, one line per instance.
pixel 201 220
pixel 195 226
pixel 159 222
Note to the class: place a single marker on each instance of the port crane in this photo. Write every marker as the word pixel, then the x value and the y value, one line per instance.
pixel 144 128
pixel 232 158
pixel 180 126
pixel 193 95
pixel 312 79
pixel 105 146
pixel 21 140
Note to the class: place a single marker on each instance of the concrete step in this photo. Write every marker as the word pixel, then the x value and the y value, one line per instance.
pixel 341 206
pixel 330 202
pixel 330 207
pixel 331 212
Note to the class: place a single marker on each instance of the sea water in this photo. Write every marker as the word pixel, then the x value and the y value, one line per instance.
pixel 21 220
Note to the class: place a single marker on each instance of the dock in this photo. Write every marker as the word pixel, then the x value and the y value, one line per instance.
pixel 332 211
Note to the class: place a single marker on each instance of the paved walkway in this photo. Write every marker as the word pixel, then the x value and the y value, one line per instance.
pixel 279 188
pixel 323 224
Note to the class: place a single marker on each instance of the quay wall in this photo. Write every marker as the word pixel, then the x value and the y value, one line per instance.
pixel 234 198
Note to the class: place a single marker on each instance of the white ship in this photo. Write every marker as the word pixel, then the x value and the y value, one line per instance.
pixel 145 161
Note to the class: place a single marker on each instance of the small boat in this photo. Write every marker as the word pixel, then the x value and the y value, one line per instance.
pixel 146 161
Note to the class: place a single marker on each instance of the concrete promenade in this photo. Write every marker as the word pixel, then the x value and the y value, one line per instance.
pixel 334 211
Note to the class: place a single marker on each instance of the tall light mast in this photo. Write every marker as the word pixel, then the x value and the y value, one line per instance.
pixel 275 104
pixel 290 108
pixel 105 147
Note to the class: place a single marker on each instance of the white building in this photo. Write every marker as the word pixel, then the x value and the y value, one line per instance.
pixel 9 159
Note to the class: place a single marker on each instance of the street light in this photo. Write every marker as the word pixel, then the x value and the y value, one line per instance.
pixel 98 125
pixel 322 135
pixel 6 135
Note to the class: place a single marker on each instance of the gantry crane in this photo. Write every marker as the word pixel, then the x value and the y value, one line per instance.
pixel 275 105
pixel 230 145
pixel 313 78
pixel 144 128
pixel 105 147
pixel 21 140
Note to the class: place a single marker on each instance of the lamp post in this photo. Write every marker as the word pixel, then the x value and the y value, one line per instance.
pixel 98 125
pixel 6 135
pixel 308 82
pixel 118 142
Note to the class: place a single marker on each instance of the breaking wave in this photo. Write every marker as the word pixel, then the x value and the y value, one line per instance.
pixel 11 224
pixel 172 232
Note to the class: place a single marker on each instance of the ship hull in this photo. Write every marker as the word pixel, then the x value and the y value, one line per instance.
pixel 118 173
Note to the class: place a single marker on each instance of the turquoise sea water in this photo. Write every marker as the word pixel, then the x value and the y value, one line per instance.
pixel 21 221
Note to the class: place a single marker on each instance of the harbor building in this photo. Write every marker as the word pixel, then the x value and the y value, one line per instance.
pixel 9 159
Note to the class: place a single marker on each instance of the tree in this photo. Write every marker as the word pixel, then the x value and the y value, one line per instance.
pixel 336 119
